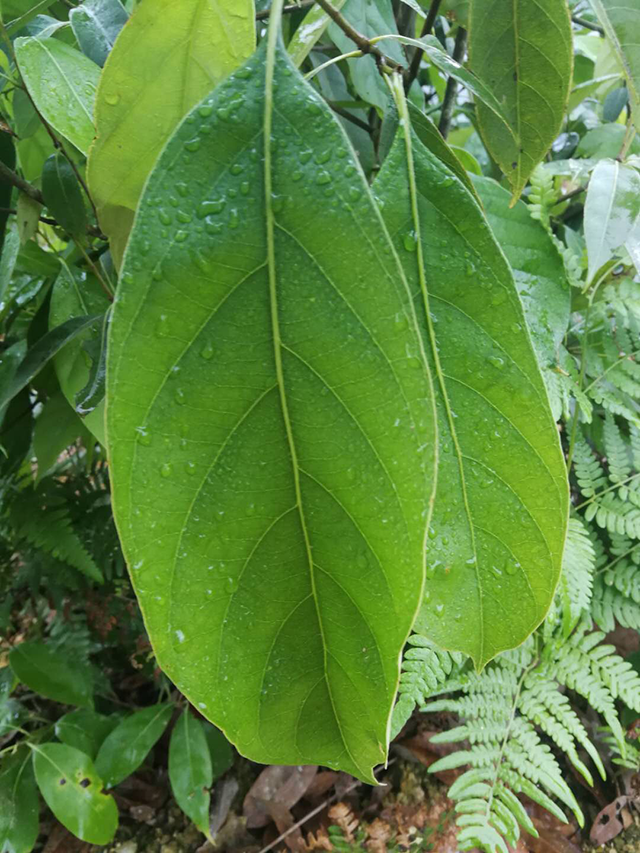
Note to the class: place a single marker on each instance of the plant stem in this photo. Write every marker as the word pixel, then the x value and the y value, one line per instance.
pixel 429 21
pixel 295 7
pixel 8 176
pixel 361 41
pixel 626 142
pixel 347 115
pixel 587 24
pixel 449 101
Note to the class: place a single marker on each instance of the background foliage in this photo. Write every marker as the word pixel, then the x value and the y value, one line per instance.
pixel 540 166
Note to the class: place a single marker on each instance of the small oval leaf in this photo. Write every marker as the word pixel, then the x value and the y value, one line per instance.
pixel 51 674
pixel 190 770
pixel 73 791
pixel 124 750
pixel 63 196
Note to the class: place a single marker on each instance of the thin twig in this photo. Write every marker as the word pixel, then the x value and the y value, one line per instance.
pixel 304 4
pixel 314 812
pixel 429 21
pixel 571 194
pixel 587 24
pixel 91 229
pixel 449 101
pixel 361 41
pixel 347 115
pixel 8 176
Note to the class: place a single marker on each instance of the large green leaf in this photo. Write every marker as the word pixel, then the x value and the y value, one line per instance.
pixel 499 522
pixel 73 791
pixel 18 803
pixel 524 51
pixel 539 275
pixel 270 426
pixel 62 83
pixel 621 22
pixel 167 58
pixel 612 214
pixel 96 24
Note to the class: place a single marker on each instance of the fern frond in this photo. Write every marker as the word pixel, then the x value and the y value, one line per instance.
pixel 578 564
pixel 617 451
pixel 43 520
pixel 589 472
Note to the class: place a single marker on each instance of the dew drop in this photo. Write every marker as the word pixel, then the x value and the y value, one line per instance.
pixel 193 144
pixel 207 208
pixel 179 397
pixel 354 193
pixel 181 236
pixel 205 110
pixel 165 470
pixel 164 217
pixel 161 325
pixel 236 168
pixel 207 352
pixel 496 361
pixel 112 99
pixel 438 610
pixel 190 468
pixel 245 186
pixel 144 438
pixel 410 241
pixel 323 178
pixel 296 176
pixel 231 584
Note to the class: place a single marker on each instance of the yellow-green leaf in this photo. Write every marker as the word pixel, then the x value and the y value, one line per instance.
pixel 169 55
pixel 621 22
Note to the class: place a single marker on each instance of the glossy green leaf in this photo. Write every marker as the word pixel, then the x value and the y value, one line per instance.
pixel 51 674
pixel 63 196
pixel 523 51
pixel 500 516
pixel 8 158
pixel 56 427
pixel 297 457
pixel 621 22
pixel 124 750
pixel 32 153
pixel 539 275
pixel 72 789
pixel 611 213
pixel 190 771
pixel 62 83
pixel 89 398
pixel 19 824
pixel 310 31
pixel 220 750
pixel 96 24
pixel 10 250
pixel 85 729
pixel 75 293
pixel 167 58
pixel 43 351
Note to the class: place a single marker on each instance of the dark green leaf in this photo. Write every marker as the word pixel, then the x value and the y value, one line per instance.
pixel 62 83
pixel 27 217
pixel 8 158
pixel 43 351
pixel 85 729
pixel 73 791
pixel 63 196
pixel 500 514
pixel 523 51
pixel 27 120
pixel 124 750
pixel 51 674
pixel 190 770
pixel 18 803
pixel 96 24
pixel 76 292
pixel 220 750
pixel 57 426
pixel 92 395
pixel 298 458
pixel 17 13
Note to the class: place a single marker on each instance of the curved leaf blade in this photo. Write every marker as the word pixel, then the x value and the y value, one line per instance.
pixel 499 522
pixel 298 460
pixel 190 770
pixel 73 791
pixel 523 51
pixel 167 58
pixel 62 83
pixel 620 19
pixel 96 24
pixel 49 673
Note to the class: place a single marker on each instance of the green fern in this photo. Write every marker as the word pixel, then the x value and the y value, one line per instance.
pixel 508 709
pixel 578 564
pixel 41 518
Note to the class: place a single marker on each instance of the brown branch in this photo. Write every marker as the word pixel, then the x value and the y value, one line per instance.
pixel 449 101
pixel 587 24
pixel 8 176
pixel 358 122
pixel 429 21
pixel 361 41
